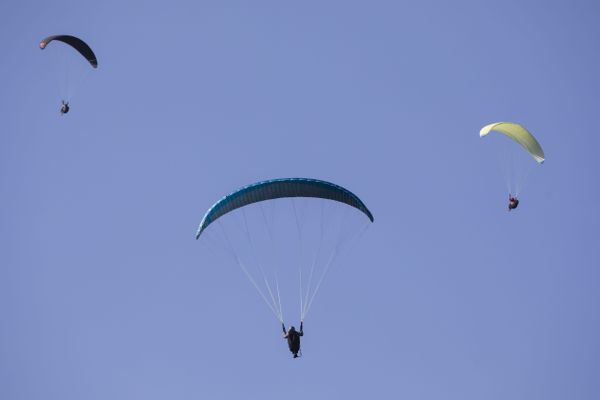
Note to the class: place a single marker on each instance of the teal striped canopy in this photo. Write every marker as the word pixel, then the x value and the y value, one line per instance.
pixel 281 188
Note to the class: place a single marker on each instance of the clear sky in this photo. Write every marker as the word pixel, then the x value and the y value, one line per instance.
pixel 105 294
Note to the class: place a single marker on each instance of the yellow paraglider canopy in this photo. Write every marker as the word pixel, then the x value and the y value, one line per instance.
pixel 520 135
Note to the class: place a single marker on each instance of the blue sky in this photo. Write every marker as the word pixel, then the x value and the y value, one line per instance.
pixel 104 293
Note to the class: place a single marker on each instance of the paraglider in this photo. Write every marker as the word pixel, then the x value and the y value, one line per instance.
pixel 83 49
pixel 256 247
pixel 517 133
pixel 293 338
pixel 64 108
pixel 513 202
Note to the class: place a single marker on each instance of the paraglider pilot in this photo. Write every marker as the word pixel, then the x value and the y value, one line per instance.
pixel 65 107
pixel 293 338
pixel 513 202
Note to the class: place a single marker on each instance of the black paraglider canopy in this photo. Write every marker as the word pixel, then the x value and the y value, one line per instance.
pixel 76 43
